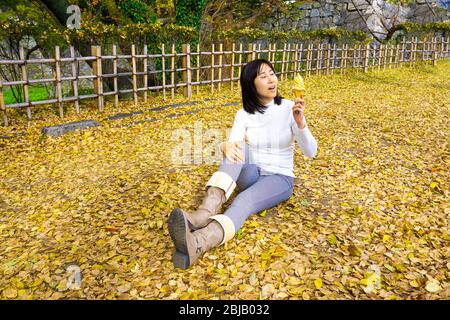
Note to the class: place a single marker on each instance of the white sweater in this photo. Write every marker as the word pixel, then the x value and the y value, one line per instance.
pixel 270 137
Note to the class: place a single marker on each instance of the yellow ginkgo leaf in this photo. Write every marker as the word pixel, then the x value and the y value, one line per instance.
pixel 433 286
pixel 318 283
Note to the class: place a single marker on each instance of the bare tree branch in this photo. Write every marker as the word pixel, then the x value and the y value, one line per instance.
pixel 431 8
pixel 30 51
pixel 365 21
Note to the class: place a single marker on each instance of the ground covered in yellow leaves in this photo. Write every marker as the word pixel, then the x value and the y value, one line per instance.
pixel 368 218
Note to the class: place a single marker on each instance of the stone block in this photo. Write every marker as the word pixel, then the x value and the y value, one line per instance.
pixel 315 22
pixel 315 13
pixel 327 21
pixel 329 7
pixel 60 129
pixel 306 6
pixel 360 4
pixel 422 11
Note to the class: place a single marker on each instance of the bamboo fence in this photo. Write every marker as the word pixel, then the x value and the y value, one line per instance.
pixel 212 67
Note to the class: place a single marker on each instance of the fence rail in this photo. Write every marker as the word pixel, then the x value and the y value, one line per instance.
pixel 210 66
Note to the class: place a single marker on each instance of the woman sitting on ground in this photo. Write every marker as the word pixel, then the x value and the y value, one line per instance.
pixel 262 168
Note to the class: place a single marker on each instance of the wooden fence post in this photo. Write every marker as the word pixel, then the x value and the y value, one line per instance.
pixel 391 54
pixel 274 55
pixel 212 67
pixel 332 49
pixel 289 62
pixel 163 65
pixel 172 68
pixel 380 52
pixel 187 74
pixel 133 73
pixel 360 60
pixel 58 81
pixel 342 62
pixel 414 50
pixel 145 72
pixel 408 56
pixel 23 69
pixel 220 64
pixel 417 51
pixel 396 57
pixel 296 59
pixel 435 51
pixel 116 87
pixel 283 65
pixel 74 81
pixel 366 58
pixel 425 50
pixel 386 56
pixel 402 54
pixel 327 65
pixel 447 43
pixel 300 58
pixel 241 48
pixel 319 57
pixel 198 69
pixel 233 49
pixel 308 59
pixel 353 49
pixel 2 105
pixel 431 50
pixel 410 51
pixel 97 70
pixel 361 50
pixel 249 52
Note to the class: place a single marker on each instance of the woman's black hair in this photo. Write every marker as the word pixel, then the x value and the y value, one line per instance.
pixel 250 98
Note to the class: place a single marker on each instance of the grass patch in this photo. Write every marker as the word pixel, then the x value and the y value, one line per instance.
pixel 39 92
pixel 36 93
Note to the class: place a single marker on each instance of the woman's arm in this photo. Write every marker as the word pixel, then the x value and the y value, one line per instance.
pixel 231 148
pixel 305 140
pixel 299 127
pixel 238 130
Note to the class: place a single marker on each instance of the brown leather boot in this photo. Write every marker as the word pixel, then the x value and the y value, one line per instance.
pixel 219 189
pixel 189 246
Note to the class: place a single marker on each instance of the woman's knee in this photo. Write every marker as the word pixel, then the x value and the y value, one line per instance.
pixel 248 176
pixel 245 202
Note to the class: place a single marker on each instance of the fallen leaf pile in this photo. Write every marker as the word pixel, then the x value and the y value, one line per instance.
pixel 368 218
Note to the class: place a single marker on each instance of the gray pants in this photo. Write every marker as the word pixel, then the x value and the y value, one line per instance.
pixel 256 192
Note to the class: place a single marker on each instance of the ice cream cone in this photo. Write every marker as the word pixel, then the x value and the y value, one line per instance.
pixel 299 87
pixel 298 93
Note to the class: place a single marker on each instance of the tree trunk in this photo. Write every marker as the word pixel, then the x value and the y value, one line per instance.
pixel 57 8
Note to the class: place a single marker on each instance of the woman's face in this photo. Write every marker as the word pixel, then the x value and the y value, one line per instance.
pixel 266 84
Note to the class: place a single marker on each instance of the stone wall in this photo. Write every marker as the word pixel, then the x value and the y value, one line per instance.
pixel 347 14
